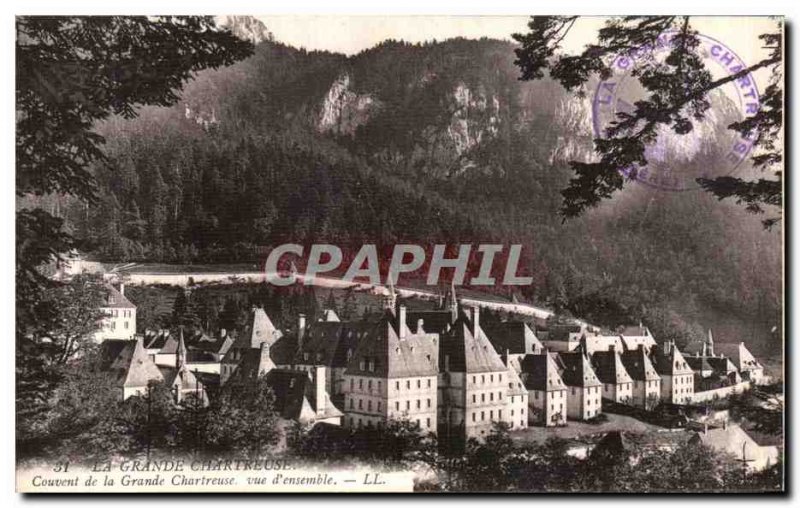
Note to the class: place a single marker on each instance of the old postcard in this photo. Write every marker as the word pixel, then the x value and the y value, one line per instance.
pixel 399 254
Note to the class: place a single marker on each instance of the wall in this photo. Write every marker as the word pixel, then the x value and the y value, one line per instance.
pixel 710 395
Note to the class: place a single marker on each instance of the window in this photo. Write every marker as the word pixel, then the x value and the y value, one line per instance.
pixel 351 403
pixel 397 406
pixel 361 365
pixel 483 397
pixel 429 383
pixel 473 398
pixel 427 422
pixel 500 413
pixel 419 383
pixel 360 384
pixel 473 416
pixel 372 366
pixel 126 325
pixel 483 416
pixel 491 378
pixel 483 378
pixel 491 396
pixel 408 385
pixel 360 404
pixel 408 405
pixel 369 385
pixel 491 415
pixel 351 384
pixel 419 404
pixel 473 380
pixel 536 395
pixel 379 405
pixel 429 402
pixel 369 405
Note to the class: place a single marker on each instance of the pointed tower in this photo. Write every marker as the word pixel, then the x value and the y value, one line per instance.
pixel 180 353
pixel 451 301
pixel 710 343
pixel 390 300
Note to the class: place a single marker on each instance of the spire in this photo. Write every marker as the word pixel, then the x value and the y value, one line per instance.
pixel 710 342
pixel 390 301
pixel 451 302
pixel 180 354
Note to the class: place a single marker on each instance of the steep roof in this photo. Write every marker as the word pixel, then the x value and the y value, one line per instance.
pixel 116 300
pixel 328 342
pixel 516 337
pixel 329 315
pixel 132 366
pixel 464 351
pixel 254 362
pixel 609 367
pixel 170 345
pixel 721 365
pixel 577 370
pixel 639 365
pixel 670 363
pixel 261 329
pixel 157 340
pixel 540 372
pixel 295 395
pixel 389 356
pixel 110 349
pixel 433 321
pixel 698 363
pixel 739 355
pixel 515 384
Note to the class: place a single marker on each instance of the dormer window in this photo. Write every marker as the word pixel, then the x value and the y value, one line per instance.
pixel 305 356
pixel 371 366
pixel 362 365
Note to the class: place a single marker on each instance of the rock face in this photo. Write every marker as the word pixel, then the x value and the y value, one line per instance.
pixel 474 118
pixel 343 110
pixel 573 123
pixel 247 28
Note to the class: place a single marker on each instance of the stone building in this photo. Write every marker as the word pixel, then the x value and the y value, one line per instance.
pixel 677 377
pixel 646 381
pixel 617 383
pixel 474 388
pixel 392 376
pixel 583 386
pixel 547 393
pixel 119 321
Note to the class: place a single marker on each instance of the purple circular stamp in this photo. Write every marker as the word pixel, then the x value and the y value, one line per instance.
pixel 710 149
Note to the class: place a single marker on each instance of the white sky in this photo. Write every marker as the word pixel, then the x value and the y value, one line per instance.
pixel 350 34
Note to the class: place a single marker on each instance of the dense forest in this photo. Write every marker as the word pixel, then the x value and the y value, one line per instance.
pixel 425 143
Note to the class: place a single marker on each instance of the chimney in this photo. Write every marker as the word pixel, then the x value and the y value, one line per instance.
pixel 420 325
pixel 506 357
pixel 612 348
pixel 223 333
pixel 319 389
pixel 666 347
pixel 122 288
pixel 476 320
pixel 301 329
pixel 705 428
pixel 401 325
pixel 447 363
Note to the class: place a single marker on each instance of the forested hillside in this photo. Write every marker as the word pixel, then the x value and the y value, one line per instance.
pixel 424 143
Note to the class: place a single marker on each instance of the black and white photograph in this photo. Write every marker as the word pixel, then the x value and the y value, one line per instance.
pixel 339 253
